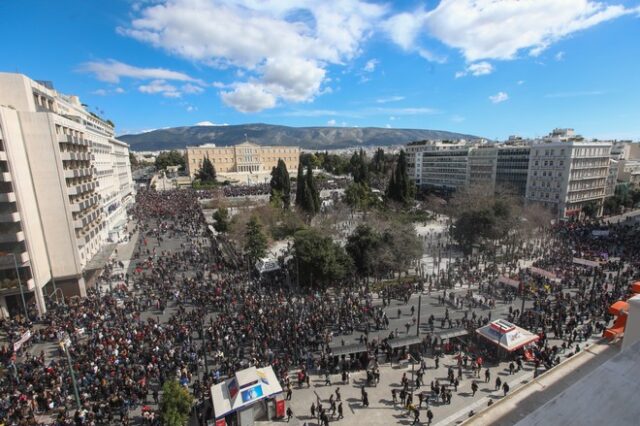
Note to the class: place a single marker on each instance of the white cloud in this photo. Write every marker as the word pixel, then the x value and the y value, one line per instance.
pixel 209 123
pixel 100 92
pixel 404 28
pixel 499 97
pixel 457 118
pixel 119 90
pixel 106 92
pixel 280 49
pixel 559 56
pixel 371 64
pixel 389 99
pixel 388 126
pixel 331 122
pixel 160 87
pixel 111 71
pixel 191 89
pixel 500 29
pixel 520 82
pixel 249 97
pixel 476 69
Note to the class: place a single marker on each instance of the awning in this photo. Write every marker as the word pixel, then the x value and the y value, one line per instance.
pixel 404 341
pixel 450 334
pixel 506 335
pixel 354 348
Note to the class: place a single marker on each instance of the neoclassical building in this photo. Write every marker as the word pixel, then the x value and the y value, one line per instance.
pixel 246 157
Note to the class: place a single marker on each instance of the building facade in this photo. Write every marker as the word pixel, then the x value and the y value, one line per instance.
pixel 512 169
pixel 566 175
pixel 439 164
pixel 246 157
pixel 54 199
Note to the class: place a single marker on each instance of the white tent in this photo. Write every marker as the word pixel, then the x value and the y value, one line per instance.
pixel 506 335
pixel 245 388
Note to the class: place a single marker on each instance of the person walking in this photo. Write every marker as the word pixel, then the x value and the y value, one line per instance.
pixel 416 417
pixel 487 376
pixel 505 388
pixel 340 412
pixel 394 396
pixel 474 388
pixel 498 383
pixel 429 416
pixel 338 396
pixel 289 414
pixel 365 399
pixel 313 410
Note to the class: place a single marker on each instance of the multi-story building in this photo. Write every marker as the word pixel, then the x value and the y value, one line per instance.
pixel 568 173
pixel 242 158
pixel 53 195
pixel 439 164
pixel 512 168
pixel 483 161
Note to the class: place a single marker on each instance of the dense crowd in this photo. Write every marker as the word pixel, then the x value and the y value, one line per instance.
pixel 185 313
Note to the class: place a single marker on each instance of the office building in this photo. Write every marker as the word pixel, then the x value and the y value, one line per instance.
pixel 59 203
pixel 512 168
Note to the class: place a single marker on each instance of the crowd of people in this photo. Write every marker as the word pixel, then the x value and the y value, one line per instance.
pixel 185 313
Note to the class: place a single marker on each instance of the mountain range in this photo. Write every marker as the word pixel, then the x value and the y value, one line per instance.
pixel 309 138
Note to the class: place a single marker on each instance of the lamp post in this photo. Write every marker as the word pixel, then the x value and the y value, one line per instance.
pixel 15 264
pixel 63 344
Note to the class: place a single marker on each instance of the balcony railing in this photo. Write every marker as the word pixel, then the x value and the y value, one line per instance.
pixel 7 197
pixel 11 237
pixel 9 217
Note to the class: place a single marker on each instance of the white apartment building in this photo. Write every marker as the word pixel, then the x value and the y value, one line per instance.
pixel 439 164
pixel 56 209
pixel 565 174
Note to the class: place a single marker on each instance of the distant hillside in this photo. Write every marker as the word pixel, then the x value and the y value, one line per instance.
pixel 266 134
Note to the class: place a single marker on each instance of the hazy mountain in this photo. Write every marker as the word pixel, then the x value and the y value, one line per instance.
pixel 267 134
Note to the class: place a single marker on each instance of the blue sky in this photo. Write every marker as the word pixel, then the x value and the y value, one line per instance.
pixel 486 67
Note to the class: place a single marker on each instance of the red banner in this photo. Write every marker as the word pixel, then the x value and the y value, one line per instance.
pixel 221 422
pixel 280 408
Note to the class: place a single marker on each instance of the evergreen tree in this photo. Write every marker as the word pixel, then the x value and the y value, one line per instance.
pixel 280 184
pixel 256 243
pixel 400 187
pixel 221 217
pixel 314 203
pixel 206 173
pixel 300 185
pixel 359 169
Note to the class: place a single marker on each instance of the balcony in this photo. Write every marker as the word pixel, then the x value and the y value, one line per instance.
pixel 9 217
pixel 7 197
pixel 6 262
pixel 3 156
pixel 75 140
pixel 75 156
pixel 12 237
pixel 75 173
pixel 8 284
pixel 5 177
pixel 84 204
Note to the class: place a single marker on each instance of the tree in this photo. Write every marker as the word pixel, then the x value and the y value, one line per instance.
pixel 363 245
pixel 280 185
pixel 320 261
pixel 170 158
pixel 358 196
pixel 359 169
pixel 300 185
pixel 400 187
pixel 471 226
pixel 311 197
pixel 378 162
pixel 175 405
pixel 221 217
pixel 256 241
pixel 207 172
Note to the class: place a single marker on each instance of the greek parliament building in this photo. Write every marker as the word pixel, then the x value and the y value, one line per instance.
pixel 246 157
pixel 563 172
pixel 65 184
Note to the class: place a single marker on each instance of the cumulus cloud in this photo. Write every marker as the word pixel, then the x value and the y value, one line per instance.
pixel 499 97
pixel 249 97
pixel 404 28
pixel 209 123
pixel 559 56
pixel 281 48
pixel 331 122
pixel 499 29
pixel 476 69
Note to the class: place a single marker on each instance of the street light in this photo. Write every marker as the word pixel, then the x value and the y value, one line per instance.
pixel 15 264
pixel 64 343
